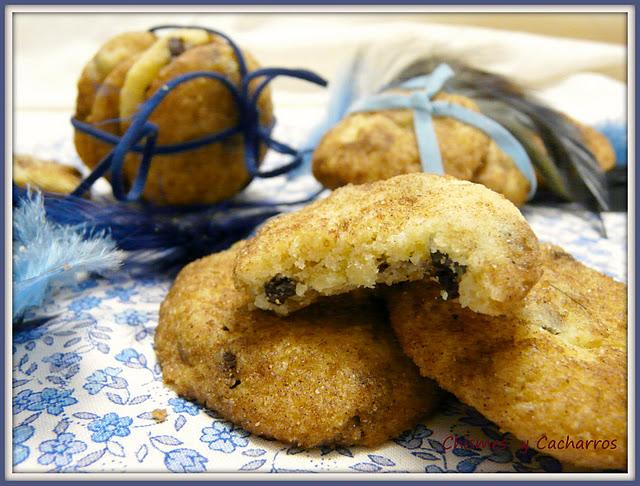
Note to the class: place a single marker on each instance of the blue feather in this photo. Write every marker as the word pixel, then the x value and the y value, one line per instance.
pixel 45 252
pixel 159 238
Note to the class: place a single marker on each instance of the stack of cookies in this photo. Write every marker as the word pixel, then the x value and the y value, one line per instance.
pixel 337 324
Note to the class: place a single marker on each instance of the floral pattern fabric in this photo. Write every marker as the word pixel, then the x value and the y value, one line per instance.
pixel 88 392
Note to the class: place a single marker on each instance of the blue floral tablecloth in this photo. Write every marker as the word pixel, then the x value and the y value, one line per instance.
pixel 88 393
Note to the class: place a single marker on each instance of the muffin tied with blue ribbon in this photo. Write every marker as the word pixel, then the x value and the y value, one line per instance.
pixel 129 69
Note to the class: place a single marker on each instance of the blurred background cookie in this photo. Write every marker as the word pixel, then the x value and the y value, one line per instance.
pixel 377 142
pixel 366 147
pixel 332 374
pixel 47 175
pixel 129 69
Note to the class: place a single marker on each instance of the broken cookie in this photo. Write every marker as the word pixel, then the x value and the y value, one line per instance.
pixel 469 239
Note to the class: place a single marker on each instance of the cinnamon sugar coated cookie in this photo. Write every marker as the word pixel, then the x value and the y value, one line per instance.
pixel 555 371
pixel 332 374
pixel 133 66
pixel 471 240
pixel 367 147
pixel 47 175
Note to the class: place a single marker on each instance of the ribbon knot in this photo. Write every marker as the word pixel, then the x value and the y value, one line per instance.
pixel 421 101
pixel 421 90
pixel 141 135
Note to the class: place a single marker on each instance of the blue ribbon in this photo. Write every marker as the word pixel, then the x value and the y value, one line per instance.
pixel 421 90
pixel 141 136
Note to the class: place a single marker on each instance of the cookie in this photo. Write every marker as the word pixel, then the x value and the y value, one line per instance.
pixel 111 54
pixel 367 147
pixel 556 371
pixel 333 374
pixel 192 110
pixel 597 144
pixel 46 175
pixel 104 114
pixel 471 240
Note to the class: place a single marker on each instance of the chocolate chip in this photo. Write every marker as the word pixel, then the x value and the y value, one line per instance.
pixel 229 361
pixel 382 267
pixel 447 272
pixel 356 420
pixel 279 289
pixel 176 46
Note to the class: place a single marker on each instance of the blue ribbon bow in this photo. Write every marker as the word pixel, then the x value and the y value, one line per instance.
pixel 421 90
pixel 141 136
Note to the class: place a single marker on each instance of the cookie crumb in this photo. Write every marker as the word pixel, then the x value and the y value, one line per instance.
pixel 159 415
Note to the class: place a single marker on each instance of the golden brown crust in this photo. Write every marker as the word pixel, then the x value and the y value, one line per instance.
pixel 366 147
pixel 500 174
pixel 332 374
pixel 112 53
pixel 104 114
pixel 197 108
pixel 558 368
pixel 387 232
pixel 46 175
pixel 597 143
pixel 194 109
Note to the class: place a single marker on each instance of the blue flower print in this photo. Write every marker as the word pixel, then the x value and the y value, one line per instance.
pixel 412 439
pixel 123 294
pixel 127 355
pixel 60 450
pixel 131 358
pixel 107 377
pixel 22 400
pixel 52 400
pixel 84 304
pixel 183 406
pixel 132 317
pixel 21 434
pixel 185 460
pixel 108 426
pixel 61 361
pixel 223 436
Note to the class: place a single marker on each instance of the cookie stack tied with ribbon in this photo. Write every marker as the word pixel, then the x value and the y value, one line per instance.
pixel 296 318
pixel 443 117
pixel 177 116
